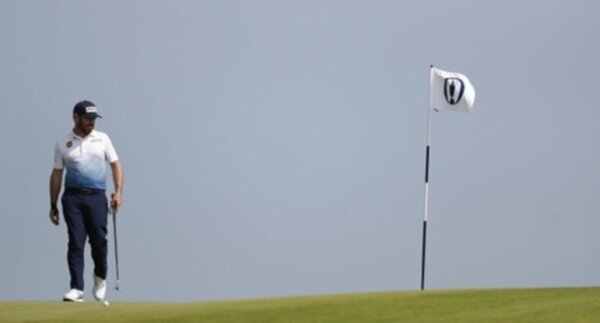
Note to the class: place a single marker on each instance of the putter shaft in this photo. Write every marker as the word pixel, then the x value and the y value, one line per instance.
pixel 114 216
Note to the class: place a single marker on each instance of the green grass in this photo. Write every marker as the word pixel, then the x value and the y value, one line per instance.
pixel 500 305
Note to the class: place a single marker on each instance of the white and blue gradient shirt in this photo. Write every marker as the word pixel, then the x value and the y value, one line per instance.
pixel 85 159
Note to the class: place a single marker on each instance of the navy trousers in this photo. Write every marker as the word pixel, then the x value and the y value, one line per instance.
pixel 86 216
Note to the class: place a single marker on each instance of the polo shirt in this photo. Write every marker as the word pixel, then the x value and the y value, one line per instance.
pixel 85 159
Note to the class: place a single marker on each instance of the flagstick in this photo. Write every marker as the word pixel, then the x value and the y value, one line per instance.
pixel 426 187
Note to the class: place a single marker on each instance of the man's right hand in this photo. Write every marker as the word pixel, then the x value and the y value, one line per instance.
pixel 54 216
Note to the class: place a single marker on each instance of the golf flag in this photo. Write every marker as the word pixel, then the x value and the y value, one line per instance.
pixel 450 91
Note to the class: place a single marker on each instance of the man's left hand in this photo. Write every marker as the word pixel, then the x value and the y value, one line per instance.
pixel 115 202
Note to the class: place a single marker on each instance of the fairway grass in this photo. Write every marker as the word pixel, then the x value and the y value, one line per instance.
pixel 491 305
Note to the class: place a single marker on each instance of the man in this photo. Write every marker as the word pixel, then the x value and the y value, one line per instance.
pixel 84 153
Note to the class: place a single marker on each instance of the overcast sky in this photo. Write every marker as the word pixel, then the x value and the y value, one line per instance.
pixel 277 148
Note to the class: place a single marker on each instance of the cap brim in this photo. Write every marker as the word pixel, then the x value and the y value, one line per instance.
pixel 91 115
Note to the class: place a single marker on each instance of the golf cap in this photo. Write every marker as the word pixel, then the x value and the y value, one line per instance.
pixel 86 109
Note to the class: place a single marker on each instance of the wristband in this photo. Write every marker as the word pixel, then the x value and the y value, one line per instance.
pixel 53 206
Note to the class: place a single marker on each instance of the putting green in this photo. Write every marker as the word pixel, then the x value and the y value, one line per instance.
pixel 500 305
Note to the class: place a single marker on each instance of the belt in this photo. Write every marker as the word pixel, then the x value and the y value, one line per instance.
pixel 83 191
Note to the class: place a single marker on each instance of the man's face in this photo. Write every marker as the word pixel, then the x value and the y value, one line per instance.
pixel 83 124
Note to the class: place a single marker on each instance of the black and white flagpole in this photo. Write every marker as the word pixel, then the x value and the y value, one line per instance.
pixel 448 91
pixel 427 152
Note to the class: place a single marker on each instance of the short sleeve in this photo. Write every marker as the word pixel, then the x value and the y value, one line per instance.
pixel 111 153
pixel 58 160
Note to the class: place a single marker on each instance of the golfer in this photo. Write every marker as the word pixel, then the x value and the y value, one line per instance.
pixel 84 153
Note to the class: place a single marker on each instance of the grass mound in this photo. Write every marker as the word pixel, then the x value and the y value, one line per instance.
pixel 502 305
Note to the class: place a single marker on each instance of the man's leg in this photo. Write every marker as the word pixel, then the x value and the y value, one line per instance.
pixel 96 226
pixel 76 229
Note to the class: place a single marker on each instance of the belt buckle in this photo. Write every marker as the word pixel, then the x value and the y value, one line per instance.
pixel 86 191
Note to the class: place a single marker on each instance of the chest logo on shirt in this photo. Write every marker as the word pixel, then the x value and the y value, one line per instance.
pixel 69 144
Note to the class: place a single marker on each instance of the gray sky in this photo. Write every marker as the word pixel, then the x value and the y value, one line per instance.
pixel 277 148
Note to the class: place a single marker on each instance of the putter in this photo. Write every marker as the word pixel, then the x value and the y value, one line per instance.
pixel 114 216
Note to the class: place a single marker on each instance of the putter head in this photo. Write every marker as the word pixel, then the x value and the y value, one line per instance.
pixel 117 288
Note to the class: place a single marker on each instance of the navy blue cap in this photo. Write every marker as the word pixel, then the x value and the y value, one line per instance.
pixel 86 109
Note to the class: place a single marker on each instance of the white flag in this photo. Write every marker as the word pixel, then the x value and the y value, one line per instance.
pixel 450 91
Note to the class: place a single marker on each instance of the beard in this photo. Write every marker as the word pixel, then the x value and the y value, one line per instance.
pixel 85 129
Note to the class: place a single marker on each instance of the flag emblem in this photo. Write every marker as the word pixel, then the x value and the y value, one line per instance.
pixel 450 91
pixel 453 90
pixel 69 144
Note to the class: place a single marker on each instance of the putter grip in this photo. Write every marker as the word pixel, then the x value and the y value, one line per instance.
pixel 110 204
